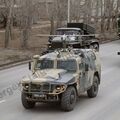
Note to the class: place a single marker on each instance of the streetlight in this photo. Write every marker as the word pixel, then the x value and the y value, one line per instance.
pixel 68 11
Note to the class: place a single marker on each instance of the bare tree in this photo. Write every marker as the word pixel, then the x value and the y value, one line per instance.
pixel 8 31
pixel 26 22
pixel 103 14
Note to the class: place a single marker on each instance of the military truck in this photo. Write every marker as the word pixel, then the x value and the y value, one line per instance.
pixel 61 76
pixel 79 35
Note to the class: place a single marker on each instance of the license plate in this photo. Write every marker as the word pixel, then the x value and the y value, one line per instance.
pixel 39 95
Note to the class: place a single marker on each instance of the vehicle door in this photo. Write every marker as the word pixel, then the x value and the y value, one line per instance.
pixel 87 65
pixel 84 70
pixel 89 68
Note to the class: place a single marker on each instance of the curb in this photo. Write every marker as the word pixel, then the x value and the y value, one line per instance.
pixel 107 41
pixel 9 65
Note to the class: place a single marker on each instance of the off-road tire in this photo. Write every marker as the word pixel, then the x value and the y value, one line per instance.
pixel 27 104
pixel 68 99
pixel 93 91
pixel 118 53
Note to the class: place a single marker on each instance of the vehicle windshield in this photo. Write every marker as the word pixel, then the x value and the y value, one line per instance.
pixel 44 64
pixel 67 32
pixel 69 65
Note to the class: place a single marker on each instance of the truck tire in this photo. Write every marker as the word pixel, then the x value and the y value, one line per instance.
pixel 93 91
pixel 27 104
pixel 94 46
pixel 68 99
pixel 119 35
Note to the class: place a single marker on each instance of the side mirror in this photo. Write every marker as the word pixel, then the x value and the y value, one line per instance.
pixel 86 67
pixel 29 65
pixel 118 53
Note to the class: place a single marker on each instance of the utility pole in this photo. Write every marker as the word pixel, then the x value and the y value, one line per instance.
pixel 68 11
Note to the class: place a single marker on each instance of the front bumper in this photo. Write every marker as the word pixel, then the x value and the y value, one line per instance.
pixel 43 92
pixel 39 97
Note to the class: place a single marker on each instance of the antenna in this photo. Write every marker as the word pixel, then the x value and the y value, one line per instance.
pixel 64 39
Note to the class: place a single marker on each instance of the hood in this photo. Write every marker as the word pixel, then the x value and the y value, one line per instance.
pixel 44 75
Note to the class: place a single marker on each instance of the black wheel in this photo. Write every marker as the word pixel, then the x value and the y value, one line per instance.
pixel 118 53
pixel 27 104
pixel 94 46
pixel 68 99
pixel 93 91
pixel 119 36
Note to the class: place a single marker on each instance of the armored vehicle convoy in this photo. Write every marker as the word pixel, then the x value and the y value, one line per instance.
pixel 79 35
pixel 61 76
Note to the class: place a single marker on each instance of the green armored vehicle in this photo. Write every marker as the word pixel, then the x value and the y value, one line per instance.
pixel 62 76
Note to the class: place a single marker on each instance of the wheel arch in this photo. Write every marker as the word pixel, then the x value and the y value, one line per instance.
pixel 94 42
pixel 75 86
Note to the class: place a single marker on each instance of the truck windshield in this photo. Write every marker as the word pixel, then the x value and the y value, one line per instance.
pixel 67 32
pixel 69 65
pixel 44 64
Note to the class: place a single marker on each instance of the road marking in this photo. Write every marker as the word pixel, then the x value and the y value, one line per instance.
pixel 2 101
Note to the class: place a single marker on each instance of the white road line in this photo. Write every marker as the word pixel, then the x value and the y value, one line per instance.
pixel 2 101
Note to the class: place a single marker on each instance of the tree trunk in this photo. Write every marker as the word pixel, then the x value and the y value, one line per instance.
pixel 9 24
pixel 52 26
pixel 26 23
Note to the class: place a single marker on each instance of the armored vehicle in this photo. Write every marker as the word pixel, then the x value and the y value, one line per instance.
pixel 80 35
pixel 62 76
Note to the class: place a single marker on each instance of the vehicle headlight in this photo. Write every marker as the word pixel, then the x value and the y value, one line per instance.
pixel 60 88
pixel 25 86
pixel 49 46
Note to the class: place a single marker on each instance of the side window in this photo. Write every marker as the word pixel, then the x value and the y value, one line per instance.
pixel 38 65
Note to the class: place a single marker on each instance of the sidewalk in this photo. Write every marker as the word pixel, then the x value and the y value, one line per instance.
pixel 10 57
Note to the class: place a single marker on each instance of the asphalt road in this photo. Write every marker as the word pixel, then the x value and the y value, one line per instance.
pixel 106 106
